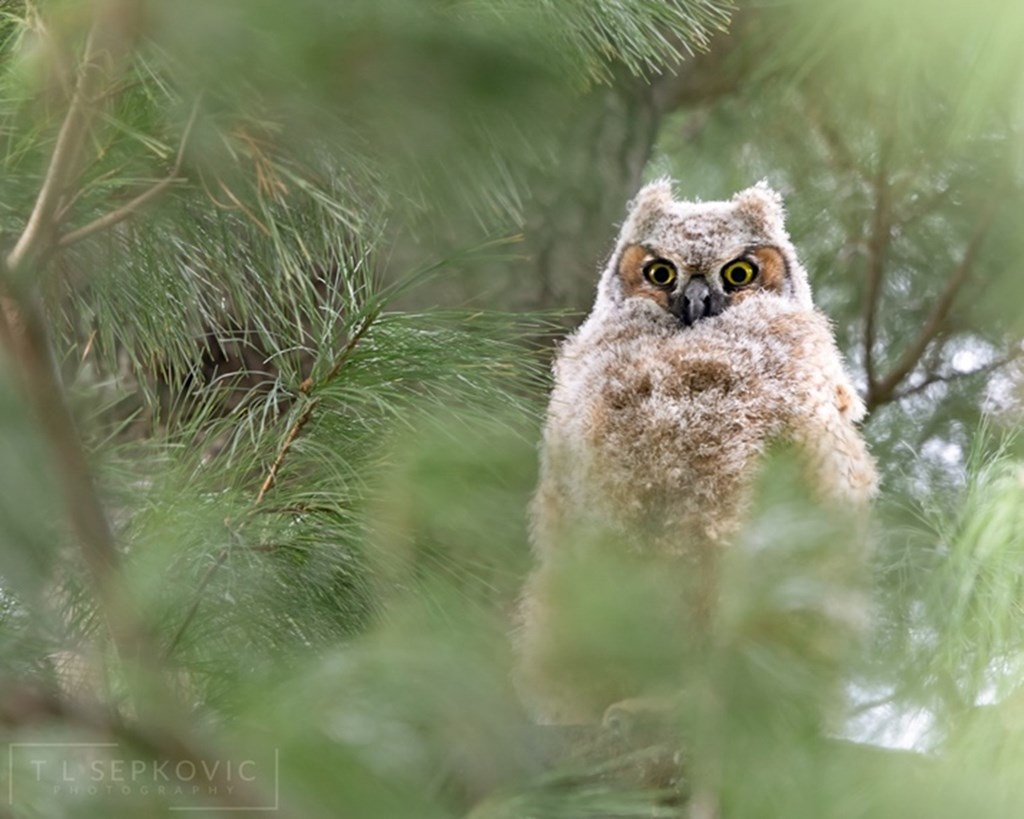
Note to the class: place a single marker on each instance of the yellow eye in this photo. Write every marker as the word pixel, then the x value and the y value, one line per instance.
pixel 660 272
pixel 739 273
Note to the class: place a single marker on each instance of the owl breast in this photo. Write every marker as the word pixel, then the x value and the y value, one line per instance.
pixel 673 424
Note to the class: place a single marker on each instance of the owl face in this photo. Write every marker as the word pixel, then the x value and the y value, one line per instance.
pixel 694 260
pixel 693 288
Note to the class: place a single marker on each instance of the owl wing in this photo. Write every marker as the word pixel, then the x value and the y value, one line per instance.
pixel 824 420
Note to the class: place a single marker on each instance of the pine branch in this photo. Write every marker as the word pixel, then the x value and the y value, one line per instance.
pixel 25 336
pixel 190 615
pixel 108 43
pixel 289 439
pixel 37 237
pixel 28 344
pixel 345 353
pixel 112 218
pixel 301 420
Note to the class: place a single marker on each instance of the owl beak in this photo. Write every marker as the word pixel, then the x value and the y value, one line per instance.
pixel 697 301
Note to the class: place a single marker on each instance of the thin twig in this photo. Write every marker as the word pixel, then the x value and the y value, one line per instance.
pixel 346 351
pixel 240 206
pixel 68 202
pixel 946 378
pixel 222 555
pixel 120 214
pixel 282 453
pixel 870 705
pixel 298 509
pixel 24 329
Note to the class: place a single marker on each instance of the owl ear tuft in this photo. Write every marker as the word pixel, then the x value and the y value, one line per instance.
pixel 762 206
pixel 658 192
pixel 650 200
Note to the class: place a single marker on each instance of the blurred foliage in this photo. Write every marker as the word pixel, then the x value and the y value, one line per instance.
pixel 316 459
pixel 894 130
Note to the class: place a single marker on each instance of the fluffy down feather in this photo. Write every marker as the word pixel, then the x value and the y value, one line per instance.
pixel 655 431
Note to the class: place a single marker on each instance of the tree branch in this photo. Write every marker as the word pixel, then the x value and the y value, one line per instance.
pixel 946 378
pixel 282 453
pixel 24 334
pixel 885 389
pixel 29 346
pixel 106 45
pixel 878 249
pixel 120 214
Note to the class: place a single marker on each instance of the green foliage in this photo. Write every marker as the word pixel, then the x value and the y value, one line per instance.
pixel 318 479
pixel 893 130
pixel 951 570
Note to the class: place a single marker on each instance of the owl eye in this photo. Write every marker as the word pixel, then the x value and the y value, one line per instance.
pixel 739 273
pixel 660 272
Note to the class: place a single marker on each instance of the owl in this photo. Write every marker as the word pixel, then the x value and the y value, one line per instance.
pixel 703 349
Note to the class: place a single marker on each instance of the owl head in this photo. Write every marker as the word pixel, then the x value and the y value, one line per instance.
pixel 693 260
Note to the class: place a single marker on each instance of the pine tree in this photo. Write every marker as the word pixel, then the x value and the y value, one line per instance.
pixel 279 287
